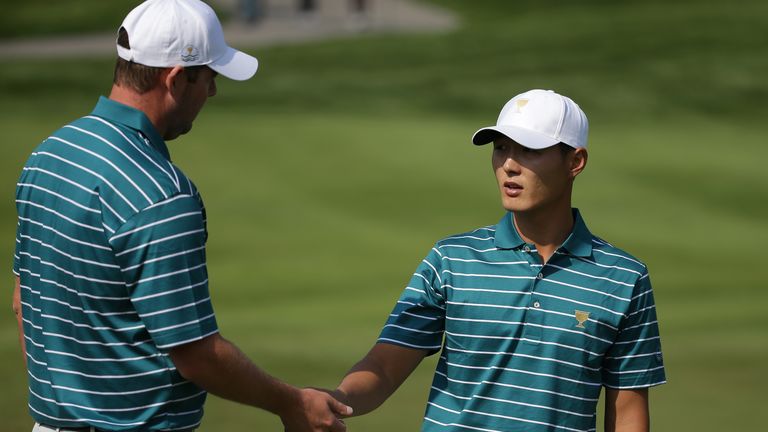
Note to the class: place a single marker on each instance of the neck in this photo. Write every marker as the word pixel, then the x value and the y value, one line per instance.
pixel 548 229
pixel 150 103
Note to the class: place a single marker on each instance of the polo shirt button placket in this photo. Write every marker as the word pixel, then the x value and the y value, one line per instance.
pixel 535 302
pixel 534 316
pixel 144 138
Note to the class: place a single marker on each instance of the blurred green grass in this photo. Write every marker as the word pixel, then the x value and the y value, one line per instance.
pixel 330 174
pixel 41 18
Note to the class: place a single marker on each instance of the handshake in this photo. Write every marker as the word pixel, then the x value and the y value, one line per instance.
pixel 366 386
pixel 315 410
pixel 218 366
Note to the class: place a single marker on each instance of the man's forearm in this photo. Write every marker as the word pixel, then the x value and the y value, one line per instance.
pixel 364 388
pixel 627 410
pixel 228 373
pixel 374 378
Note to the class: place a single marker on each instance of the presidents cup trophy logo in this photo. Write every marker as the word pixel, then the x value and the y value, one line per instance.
pixel 189 53
pixel 520 104
pixel 581 318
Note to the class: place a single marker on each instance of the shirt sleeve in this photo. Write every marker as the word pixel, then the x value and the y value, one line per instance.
pixel 418 318
pixel 16 258
pixel 161 252
pixel 635 359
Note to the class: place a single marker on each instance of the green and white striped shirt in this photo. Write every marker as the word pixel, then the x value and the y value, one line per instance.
pixel 525 346
pixel 110 251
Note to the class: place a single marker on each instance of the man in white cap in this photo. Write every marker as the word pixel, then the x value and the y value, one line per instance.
pixel 532 316
pixel 111 296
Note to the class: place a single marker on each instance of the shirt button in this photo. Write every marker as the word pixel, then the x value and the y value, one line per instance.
pixel 540 276
pixel 536 304
pixel 526 248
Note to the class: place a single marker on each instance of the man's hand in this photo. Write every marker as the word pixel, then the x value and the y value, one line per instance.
pixel 316 411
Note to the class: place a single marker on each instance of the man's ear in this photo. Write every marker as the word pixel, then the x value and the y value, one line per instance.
pixel 175 81
pixel 578 161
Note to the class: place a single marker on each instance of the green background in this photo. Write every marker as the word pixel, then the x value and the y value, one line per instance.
pixel 330 175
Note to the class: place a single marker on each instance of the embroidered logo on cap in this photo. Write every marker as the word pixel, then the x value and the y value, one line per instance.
pixel 189 53
pixel 520 104
pixel 581 318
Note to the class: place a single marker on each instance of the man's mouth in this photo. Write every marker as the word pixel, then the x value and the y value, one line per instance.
pixel 512 189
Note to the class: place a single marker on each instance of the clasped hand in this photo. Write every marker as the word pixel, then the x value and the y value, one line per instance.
pixel 316 411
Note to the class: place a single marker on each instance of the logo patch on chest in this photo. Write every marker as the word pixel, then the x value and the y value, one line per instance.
pixel 581 318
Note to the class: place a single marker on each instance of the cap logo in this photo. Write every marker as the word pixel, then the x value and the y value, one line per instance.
pixel 520 104
pixel 189 53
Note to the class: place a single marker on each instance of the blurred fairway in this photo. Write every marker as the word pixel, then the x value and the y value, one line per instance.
pixel 330 174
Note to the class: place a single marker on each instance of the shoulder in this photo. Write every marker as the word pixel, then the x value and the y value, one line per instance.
pixel 125 155
pixel 122 151
pixel 116 162
pixel 478 239
pixel 608 255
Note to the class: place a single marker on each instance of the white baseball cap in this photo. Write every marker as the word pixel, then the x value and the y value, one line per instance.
pixel 538 119
pixel 169 33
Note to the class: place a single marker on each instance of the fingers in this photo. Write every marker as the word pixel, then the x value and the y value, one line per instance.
pixel 338 426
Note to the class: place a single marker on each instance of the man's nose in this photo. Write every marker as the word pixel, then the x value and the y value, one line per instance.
pixel 510 164
pixel 212 89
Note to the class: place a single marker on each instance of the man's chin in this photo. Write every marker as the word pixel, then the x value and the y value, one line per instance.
pixel 171 135
pixel 510 204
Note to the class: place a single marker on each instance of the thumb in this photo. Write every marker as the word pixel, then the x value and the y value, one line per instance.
pixel 339 408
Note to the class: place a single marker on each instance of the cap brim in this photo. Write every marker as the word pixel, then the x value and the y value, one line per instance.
pixel 524 137
pixel 235 65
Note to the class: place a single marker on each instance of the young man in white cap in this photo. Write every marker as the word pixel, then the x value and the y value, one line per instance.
pixel 531 316
pixel 111 296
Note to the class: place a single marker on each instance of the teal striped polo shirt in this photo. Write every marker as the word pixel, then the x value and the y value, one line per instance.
pixel 526 346
pixel 110 252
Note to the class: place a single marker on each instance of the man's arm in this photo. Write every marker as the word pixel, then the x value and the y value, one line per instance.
pixel 218 366
pixel 374 378
pixel 17 312
pixel 627 410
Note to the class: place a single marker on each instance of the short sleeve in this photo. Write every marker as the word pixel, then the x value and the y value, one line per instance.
pixel 418 318
pixel 16 259
pixel 635 359
pixel 161 252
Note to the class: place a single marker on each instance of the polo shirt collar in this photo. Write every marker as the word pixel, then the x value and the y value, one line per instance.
pixel 116 112
pixel 578 243
pixel 507 236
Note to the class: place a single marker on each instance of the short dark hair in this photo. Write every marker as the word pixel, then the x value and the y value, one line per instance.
pixel 565 148
pixel 139 77
pixel 192 72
